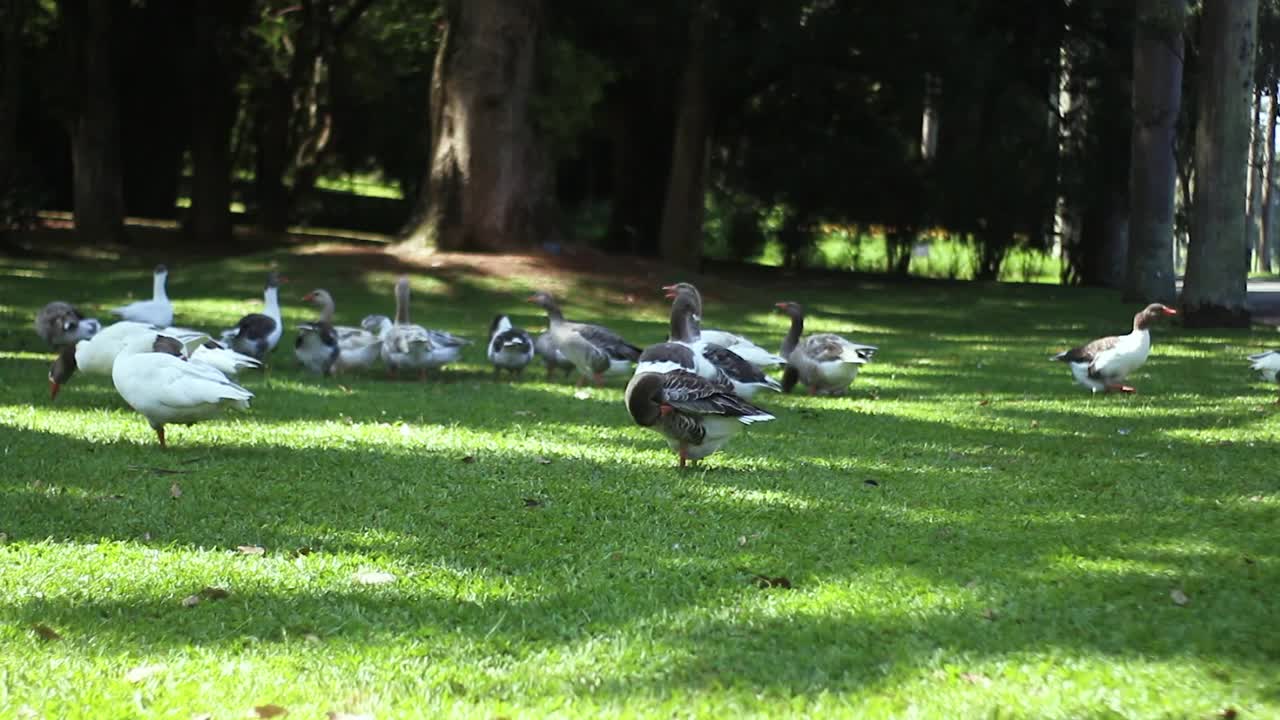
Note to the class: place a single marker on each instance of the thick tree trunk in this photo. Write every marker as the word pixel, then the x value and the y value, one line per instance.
pixel 213 114
pixel 1157 98
pixel 1271 185
pixel 682 213
pixel 271 158
pixel 1217 261
pixel 14 14
pixel 97 185
pixel 1253 211
pixel 489 181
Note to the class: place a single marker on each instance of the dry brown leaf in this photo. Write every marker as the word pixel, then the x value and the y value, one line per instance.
pixel 375 578
pixel 45 632
pixel 742 541
pixel 302 551
pixel 250 549
pixel 1179 598
pixel 468 458
pixel 989 614
pixel 175 492
pixel 533 502
pixel 335 715
pixel 311 638
pixel 976 679
pixel 268 711
pixel 142 672
pixel 191 601
pixel 543 460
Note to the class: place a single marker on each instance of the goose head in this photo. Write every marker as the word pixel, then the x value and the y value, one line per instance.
pixel 646 400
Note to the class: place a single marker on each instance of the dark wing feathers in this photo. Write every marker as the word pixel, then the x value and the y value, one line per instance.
pixel 669 352
pixel 1088 352
pixel 824 348
pixel 515 337
pixel 609 341
pixel 691 394
pixel 731 364
pixel 255 326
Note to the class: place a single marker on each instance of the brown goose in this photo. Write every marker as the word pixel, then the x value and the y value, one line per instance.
pixel 60 324
pixel 825 362
pixel 594 350
pixel 697 417
pixel 1103 364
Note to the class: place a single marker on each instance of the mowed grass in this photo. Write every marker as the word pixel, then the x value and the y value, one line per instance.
pixel 967 534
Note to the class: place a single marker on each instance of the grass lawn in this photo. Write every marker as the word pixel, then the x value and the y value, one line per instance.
pixel 967 535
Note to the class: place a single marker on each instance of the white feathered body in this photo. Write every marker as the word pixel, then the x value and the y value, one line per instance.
pixel 169 390
pixel 1267 364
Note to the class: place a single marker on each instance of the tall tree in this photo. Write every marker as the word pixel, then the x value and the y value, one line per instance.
pixel 682 213
pixel 1255 178
pixel 1217 259
pixel 1158 50
pixel 489 181
pixel 97 184
pixel 1271 182
pixel 214 104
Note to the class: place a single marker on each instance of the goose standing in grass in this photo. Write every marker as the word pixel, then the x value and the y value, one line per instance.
pixel 697 417
pixel 404 345
pixel 711 361
pixel 510 348
pixel 594 350
pixel 257 334
pixel 154 379
pixel 1267 364
pixel 97 355
pixel 326 348
pixel 825 362
pixel 61 324
pixel 545 347
pixel 1103 364
pixel 157 311
pixel 740 346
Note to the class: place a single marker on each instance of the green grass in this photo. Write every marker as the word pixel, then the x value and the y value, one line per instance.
pixel 966 535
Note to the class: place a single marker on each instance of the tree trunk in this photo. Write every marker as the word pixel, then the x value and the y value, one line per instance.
pixel 14 14
pixel 213 113
pixel 1253 211
pixel 489 183
pixel 641 149
pixel 1217 261
pixel 1271 185
pixel 682 213
pixel 1157 97
pixel 271 158
pixel 97 185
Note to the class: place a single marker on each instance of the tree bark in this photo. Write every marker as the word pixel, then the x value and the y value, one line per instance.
pixel 1158 50
pixel 1271 185
pixel 489 183
pixel 1253 211
pixel 213 114
pixel 680 239
pixel 1217 260
pixel 97 184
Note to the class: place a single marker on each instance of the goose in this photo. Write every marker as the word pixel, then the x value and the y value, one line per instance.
pixel 1267 364
pixel 60 324
pixel 741 346
pixel 510 348
pixel 825 362
pixel 154 379
pixel 97 355
pixel 404 345
pixel 156 311
pixel 545 347
pixel 329 349
pixel 716 363
pixel 1103 364
pixel 257 334
pixel 593 350
pixel 697 417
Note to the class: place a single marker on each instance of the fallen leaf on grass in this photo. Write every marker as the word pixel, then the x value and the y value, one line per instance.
pixel 1035 423
pixel 764 582
pixel 872 483
pixel 207 593
pixel 1179 598
pixel 375 578
pixel 142 672
pixel 268 711
pixel 250 549
pixel 543 460
pixel 989 614
pixel 533 502
pixel 583 394
pixel 345 389
pixel 984 402
pixel 1123 431
pixel 1228 714
pixel 158 470
pixel 334 715
pixel 45 632
pixel 976 679
pixel 175 492
pixel 468 458
pixel 742 541
pixel 522 413
pixel 302 551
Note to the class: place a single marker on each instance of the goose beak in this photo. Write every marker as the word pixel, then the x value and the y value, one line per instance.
pixel 780 306
pixel 1169 311
pixel 669 291
pixel 665 410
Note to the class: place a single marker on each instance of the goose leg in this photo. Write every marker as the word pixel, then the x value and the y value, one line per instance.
pixel 422 374
pixel 684 456
pixel 599 378
pixel 160 434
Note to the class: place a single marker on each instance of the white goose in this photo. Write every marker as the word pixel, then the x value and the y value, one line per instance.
pixel 167 389
pixel 156 311
pixel 97 355
pixel 257 334
pixel 1267 364
pixel 740 346
pixel 1103 364
pixel 404 345
pixel 61 324
pixel 327 348
pixel 510 348
pixel 825 362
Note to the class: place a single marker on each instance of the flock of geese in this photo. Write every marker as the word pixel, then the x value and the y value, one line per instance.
pixel 696 389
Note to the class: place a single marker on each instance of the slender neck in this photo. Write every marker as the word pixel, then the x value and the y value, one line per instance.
pixel 793 335
pixel 272 300
pixel 554 316
pixel 684 327
pixel 402 304
pixel 157 287
pixel 326 312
